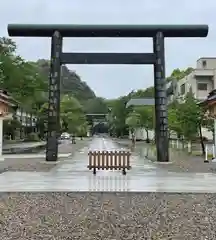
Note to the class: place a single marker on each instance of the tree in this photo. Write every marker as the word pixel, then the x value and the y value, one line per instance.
pixel 27 82
pixel 16 72
pixel 146 116
pixel 97 105
pixel 71 82
pixel 117 116
pixel 133 122
pixel 179 74
pixel 10 126
pixel 189 115
pixel 82 130
pixel 147 93
pixel 173 119
pixel 72 115
pixel 186 118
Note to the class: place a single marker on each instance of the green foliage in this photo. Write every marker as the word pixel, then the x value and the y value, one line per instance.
pixel 133 121
pixel 96 105
pixel 72 115
pixel 179 74
pixel 146 114
pixel 28 83
pixel 190 117
pixel 32 137
pixel 82 130
pixel 70 82
pixel 147 93
pixel 117 116
pixel 173 120
pixel 19 77
pixel 185 117
pixel 10 126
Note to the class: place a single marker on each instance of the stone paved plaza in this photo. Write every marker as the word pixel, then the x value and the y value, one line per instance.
pixel 145 176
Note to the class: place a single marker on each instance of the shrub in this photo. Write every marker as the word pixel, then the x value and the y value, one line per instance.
pixel 33 137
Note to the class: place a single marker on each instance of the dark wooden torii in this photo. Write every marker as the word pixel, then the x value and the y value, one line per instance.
pixel 157 32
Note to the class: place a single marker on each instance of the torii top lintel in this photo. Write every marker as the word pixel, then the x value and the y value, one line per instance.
pixel 69 30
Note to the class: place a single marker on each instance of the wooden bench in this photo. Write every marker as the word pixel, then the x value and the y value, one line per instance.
pixel 113 160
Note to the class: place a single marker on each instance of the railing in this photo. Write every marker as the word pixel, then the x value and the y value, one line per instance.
pixel 109 160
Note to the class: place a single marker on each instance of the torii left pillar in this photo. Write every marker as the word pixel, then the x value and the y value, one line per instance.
pixel 54 98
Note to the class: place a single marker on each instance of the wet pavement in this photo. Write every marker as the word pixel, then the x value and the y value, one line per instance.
pixel 23 147
pixel 72 175
pixel 22 144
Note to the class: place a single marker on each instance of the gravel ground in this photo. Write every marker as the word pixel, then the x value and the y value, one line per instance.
pixel 37 164
pixel 107 216
pixel 182 162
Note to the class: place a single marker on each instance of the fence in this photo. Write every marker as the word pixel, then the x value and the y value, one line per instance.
pixel 190 147
pixel 195 148
pixel 113 160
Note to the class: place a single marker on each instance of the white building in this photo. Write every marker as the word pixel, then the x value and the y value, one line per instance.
pixel 201 81
pixel 25 118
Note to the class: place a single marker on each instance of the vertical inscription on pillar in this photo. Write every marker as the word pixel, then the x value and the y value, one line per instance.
pixel 54 98
pixel 160 100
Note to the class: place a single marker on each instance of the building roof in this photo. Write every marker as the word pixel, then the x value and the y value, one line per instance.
pixel 7 98
pixel 206 58
pixel 210 99
pixel 141 102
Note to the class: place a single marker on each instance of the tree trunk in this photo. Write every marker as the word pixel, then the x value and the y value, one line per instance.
pixel 201 140
pixel 147 136
pixel 133 136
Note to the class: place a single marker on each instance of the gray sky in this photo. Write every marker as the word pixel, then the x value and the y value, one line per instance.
pixel 112 81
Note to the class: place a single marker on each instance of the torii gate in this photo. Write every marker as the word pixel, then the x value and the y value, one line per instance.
pixel 156 32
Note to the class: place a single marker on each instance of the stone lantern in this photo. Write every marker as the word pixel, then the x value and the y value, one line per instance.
pixel 7 104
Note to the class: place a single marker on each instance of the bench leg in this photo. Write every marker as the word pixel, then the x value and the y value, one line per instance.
pixel 94 171
pixel 124 172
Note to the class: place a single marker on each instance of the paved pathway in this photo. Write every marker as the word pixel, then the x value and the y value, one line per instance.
pixel 73 175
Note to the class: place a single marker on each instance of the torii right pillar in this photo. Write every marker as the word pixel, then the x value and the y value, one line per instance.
pixel 161 115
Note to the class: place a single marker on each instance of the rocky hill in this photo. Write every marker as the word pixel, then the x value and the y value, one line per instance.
pixel 70 82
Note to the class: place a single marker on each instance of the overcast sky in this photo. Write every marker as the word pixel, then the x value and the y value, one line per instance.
pixel 111 81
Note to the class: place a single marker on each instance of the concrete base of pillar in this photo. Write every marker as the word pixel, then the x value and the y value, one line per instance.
pixel 2 159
